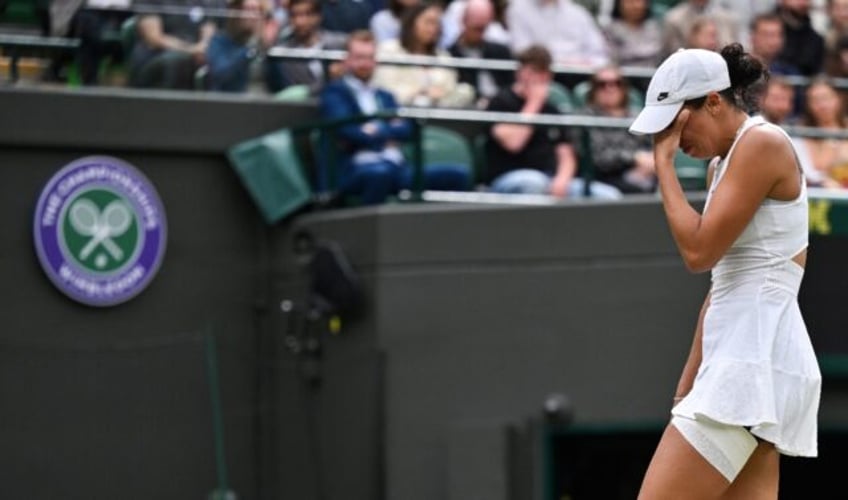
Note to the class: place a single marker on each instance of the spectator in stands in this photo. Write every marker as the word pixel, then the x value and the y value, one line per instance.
pixel 170 48
pixel 534 159
pixel 767 42
pixel 345 16
pixel 385 24
pixel 677 23
pixel 836 64
pixel 420 85
pixel 838 28
pixel 453 17
pixel 304 32
pixel 634 35
pixel 233 50
pixel 825 161
pixel 371 164
pixel 98 31
pixel 564 27
pixel 471 43
pixel 804 47
pixel 620 158
pixel 703 34
pixel 777 101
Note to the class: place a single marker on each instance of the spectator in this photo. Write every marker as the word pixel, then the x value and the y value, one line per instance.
pixel 777 101
pixel 838 16
pixel 97 31
pixel 232 50
pixel 171 47
pixel 534 159
pixel 452 23
pixel 767 42
pixel 823 160
pixel 345 16
pixel 564 27
pixel 304 32
pixel 634 36
pixel 804 47
pixel 471 43
pixel 372 165
pixel 677 24
pixel 703 34
pixel 621 159
pixel 385 24
pixel 419 85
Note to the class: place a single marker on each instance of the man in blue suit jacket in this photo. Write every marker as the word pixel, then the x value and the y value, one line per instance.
pixel 370 160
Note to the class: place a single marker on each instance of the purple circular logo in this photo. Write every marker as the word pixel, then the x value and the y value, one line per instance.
pixel 100 231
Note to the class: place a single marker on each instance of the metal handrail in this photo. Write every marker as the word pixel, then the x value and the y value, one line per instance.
pixel 419 116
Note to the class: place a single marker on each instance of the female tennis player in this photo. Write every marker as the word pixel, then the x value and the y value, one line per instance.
pixel 750 388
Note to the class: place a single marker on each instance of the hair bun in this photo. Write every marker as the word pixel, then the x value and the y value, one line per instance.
pixel 747 75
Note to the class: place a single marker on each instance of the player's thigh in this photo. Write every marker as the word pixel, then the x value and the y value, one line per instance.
pixel 759 479
pixel 678 471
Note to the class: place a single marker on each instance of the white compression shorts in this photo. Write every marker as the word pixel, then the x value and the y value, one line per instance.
pixel 725 447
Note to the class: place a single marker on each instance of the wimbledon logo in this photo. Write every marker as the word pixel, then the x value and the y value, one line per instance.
pixel 100 231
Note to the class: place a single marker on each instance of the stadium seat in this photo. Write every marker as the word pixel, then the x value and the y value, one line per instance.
pixel 294 93
pixel 560 97
pixel 271 170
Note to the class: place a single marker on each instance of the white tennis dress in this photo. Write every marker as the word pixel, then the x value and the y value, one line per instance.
pixel 758 368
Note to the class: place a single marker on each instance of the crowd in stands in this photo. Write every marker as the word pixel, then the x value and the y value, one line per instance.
pixel 222 45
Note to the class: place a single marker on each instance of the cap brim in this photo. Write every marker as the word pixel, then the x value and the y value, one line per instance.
pixel 655 118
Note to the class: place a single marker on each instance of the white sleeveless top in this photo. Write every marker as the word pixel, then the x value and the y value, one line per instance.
pixel 778 231
pixel 758 367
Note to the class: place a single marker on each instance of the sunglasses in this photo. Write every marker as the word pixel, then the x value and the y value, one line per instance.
pixel 607 83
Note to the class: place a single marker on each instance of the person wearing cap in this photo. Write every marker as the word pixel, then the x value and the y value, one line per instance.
pixel 750 388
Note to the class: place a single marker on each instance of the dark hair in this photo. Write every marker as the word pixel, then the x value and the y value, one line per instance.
pixel 314 5
pixel 748 77
pixel 407 26
pixel 616 10
pixel 536 57
pixel 396 8
pixel 359 36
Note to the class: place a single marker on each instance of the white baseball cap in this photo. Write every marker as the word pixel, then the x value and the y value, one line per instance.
pixel 686 74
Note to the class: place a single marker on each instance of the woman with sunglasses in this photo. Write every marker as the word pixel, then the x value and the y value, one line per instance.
pixel 620 159
pixel 750 388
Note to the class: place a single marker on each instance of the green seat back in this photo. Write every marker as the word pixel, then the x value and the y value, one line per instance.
pixel 271 170
pixel 560 97
pixel 293 93
pixel 441 145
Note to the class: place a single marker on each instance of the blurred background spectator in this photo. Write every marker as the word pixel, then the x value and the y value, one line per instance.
pixel 233 50
pixel 171 47
pixel 825 161
pixel 534 159
pixel 620 158
pixel 564 27
pixel 476 18
pixel 452 23
pixel 420 85
pixel 767 41
pixel 837 11
pixel 633 34
pixel 303 32
pixel 347 15
pixel 678 21
pixel 703 34
pixel 777 102
pixel 371 163
pixel 804 46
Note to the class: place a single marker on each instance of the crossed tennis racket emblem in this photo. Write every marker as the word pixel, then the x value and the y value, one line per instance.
pixel 101 226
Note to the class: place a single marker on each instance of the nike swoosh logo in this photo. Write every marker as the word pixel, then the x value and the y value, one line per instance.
pixel 662 96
